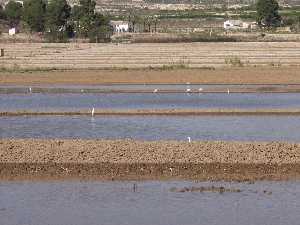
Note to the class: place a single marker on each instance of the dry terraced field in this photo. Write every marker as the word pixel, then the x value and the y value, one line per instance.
pixel 195 55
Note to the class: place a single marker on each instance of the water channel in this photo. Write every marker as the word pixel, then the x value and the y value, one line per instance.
pixel 230 128
pixel 75 102
pixel 116 203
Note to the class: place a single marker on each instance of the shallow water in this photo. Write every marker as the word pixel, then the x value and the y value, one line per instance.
pixel 75 102
pixel 238 128
pixel 115 203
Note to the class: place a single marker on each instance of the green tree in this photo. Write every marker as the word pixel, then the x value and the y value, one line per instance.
pixel 83 17
pixel 100 31
pixel 2 13
pixel 267 13
pixel 57 15
pixel 89 24
pixel 13 12
pixel 34 14
pixel 87 16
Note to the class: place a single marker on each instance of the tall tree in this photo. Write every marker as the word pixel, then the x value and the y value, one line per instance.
pixel 100 31
pixel 13 12
pixel 34 14
pixel 267 13
pixel 90 24
pixel 2 13
pixel 57 15
pixel 83 16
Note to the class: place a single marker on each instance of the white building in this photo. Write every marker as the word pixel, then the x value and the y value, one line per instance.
pixel 235 24
pixel 21 2
pixel 120 26
pixel 12 31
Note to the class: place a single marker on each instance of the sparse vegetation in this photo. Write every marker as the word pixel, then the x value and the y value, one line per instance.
pixel 234 61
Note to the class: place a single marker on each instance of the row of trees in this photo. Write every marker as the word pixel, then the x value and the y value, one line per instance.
pixel 145 23
pixel 58 20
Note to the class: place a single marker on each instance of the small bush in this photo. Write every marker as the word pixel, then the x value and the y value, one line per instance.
pixel 234 61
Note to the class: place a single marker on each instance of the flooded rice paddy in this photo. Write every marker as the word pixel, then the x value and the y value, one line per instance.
pixel 155 202
pixel 148 203
pixel 75 102
pixel 237 128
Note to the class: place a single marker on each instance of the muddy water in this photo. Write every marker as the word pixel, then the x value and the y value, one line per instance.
pixel 75 102
pixel 116 203
pixel 239 128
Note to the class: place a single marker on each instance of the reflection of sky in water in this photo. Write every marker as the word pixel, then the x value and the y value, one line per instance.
pixel 240 128
pixel 111 203
pixel 73 102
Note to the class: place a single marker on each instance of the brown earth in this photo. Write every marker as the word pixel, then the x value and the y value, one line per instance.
pixel 250 75
pixel 160 112
pixel 49 56
pixel 138 160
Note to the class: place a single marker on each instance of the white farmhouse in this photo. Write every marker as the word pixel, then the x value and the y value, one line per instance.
pixel 12 31
pixel 120 26
pixel 235 24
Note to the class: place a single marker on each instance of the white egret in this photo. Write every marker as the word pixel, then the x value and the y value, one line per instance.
pixel 189 139
pixel 155 90
pixel 228 92
pixel 30 90
pixel 188 90
pixel 93 111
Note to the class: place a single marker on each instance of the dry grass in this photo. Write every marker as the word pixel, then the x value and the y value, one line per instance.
pixel 193 55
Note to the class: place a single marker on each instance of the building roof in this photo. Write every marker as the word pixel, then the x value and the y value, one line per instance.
pixel 234 22
pixel 118 22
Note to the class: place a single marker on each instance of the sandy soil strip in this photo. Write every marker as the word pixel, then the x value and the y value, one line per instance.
pixel 160 112
pixel 247 75
pixel 186 90
pixel 128 159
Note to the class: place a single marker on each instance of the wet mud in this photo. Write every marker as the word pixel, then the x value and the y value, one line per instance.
pixel 157 112
pixel 139 160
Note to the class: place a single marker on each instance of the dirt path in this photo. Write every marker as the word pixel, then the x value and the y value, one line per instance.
pixel 160 112
pixel 128 159
pixel 251 75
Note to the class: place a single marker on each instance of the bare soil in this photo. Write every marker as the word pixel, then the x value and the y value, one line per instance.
pixel 137 160
pixel 160 112
pixel 249 75
pixel 49 56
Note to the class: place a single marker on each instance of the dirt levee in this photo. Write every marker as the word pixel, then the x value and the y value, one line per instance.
pixel 128 159
pixel 247 75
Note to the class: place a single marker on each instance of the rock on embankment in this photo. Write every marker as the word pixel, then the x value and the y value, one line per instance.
pixel 128 159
